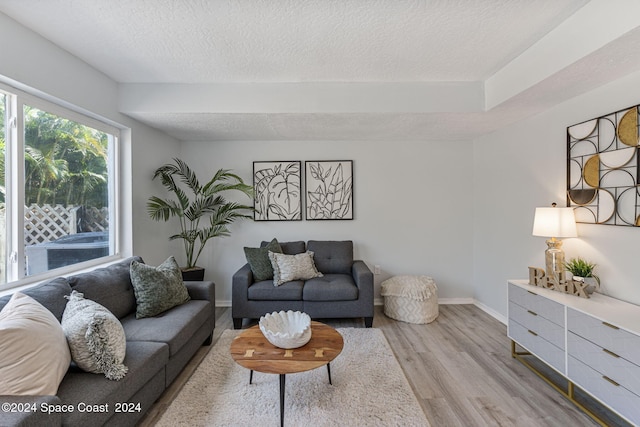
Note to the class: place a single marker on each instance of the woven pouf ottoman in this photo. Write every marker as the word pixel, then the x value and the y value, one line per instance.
pixel 411 299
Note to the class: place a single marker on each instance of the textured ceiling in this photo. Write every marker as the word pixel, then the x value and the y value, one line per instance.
pixel 201 42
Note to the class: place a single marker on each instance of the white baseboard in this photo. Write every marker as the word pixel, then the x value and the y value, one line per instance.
pixel 491 312
pixel 380 301
pixel 443 301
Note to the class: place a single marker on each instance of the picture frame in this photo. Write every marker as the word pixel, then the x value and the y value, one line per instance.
pixel 329 190
pixel 277 190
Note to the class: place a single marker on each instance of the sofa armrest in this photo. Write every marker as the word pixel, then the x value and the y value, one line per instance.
pixel 29 411
pixel 205 290
pixel 363 277
pixel 242 279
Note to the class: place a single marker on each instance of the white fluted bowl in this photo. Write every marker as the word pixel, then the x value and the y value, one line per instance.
pixel 291 329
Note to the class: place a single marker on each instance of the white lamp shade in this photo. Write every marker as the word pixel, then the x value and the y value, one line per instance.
pixel 555 222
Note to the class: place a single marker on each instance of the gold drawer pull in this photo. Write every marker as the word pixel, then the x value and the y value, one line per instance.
pixel 610 353
pixel 532 293
pixel 532 312
pixel 610 325
pixel 610 380
pixel 532 333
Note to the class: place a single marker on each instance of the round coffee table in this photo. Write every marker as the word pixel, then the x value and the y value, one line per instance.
pixel 251 350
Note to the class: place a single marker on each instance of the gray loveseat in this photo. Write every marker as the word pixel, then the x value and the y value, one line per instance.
pixel 158 348
pixel 344 291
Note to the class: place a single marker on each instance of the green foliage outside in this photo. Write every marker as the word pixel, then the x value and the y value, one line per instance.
pixel 65 162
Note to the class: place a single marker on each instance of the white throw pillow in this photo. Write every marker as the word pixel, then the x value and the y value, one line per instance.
pixel 96 337
pixel 34 355
pixel 292 267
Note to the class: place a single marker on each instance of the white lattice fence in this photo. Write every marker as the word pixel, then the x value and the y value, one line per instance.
pixel 92 219
pixel 46 223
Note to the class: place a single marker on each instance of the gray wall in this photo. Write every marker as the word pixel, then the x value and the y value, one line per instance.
pixel 412 204
pixel 522 167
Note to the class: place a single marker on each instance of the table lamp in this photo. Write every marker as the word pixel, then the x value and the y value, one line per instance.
pixel 554 222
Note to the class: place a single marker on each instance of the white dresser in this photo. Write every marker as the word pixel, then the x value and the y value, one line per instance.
pixel 594 343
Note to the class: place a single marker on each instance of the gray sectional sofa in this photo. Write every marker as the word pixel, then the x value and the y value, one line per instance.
pixel 158 348
pixel 344 291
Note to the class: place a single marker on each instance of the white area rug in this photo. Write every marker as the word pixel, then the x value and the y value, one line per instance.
pixel 369 389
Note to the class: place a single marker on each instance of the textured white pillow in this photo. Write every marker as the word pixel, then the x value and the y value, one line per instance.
pixel 34 355
pixel 95 336
pixel 292 267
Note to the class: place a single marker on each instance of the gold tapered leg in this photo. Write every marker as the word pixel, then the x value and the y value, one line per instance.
pixel 569 393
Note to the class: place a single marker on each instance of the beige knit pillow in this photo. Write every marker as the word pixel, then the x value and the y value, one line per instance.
pixel 293 267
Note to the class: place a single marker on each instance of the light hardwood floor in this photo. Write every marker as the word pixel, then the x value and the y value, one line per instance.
pixel 460 368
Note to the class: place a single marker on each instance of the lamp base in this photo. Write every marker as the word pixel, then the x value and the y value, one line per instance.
pixel 554 260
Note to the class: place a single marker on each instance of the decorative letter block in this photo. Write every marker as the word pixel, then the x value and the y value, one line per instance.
pixel 537 277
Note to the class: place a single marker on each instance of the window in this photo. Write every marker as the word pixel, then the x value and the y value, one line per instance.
pixel 3 215
pixel 57 185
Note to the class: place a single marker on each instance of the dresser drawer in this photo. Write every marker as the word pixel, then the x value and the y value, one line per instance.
pixel 602 360
pixel 548 330
pixel 621 342
pixel 538 346
pixel 544 307
pixel 616 397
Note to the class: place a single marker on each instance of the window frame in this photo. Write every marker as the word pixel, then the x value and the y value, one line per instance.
pixel 14 182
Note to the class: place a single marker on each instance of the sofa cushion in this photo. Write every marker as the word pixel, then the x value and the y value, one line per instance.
pixel 110 287
pixel 157 289
pixel 289 248
pixel 174 327
pixel 50 294
pixel 332 257
pixel 34 355
pixel 144 360
pixel 292 267
pixel 258 259
pixel 265 291
pixel 330 287
pixel 95 337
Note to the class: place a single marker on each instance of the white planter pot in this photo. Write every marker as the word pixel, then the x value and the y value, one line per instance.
pixel 592 283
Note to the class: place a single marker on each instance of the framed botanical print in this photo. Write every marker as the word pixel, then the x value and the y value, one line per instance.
pixel 329 189
pixel 277 191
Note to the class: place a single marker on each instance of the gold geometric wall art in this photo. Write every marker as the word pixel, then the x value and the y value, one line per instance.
pixel 603 169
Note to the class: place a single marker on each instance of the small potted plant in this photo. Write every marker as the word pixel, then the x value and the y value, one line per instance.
pixel 582 271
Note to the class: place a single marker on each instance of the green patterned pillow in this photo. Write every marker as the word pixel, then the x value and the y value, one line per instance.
pixel 258 259
pixel 157 289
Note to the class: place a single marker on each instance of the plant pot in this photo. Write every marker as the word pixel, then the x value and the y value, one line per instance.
pixel 193 274
pixel 592 284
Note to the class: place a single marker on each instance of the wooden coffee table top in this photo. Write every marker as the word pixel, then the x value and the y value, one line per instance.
pixel 252 350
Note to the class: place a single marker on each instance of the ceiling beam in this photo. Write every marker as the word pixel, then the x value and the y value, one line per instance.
pixel 591 28
pixel 454 97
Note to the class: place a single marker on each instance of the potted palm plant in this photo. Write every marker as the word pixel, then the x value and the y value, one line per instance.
pixel 583 271
pixel 202 210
